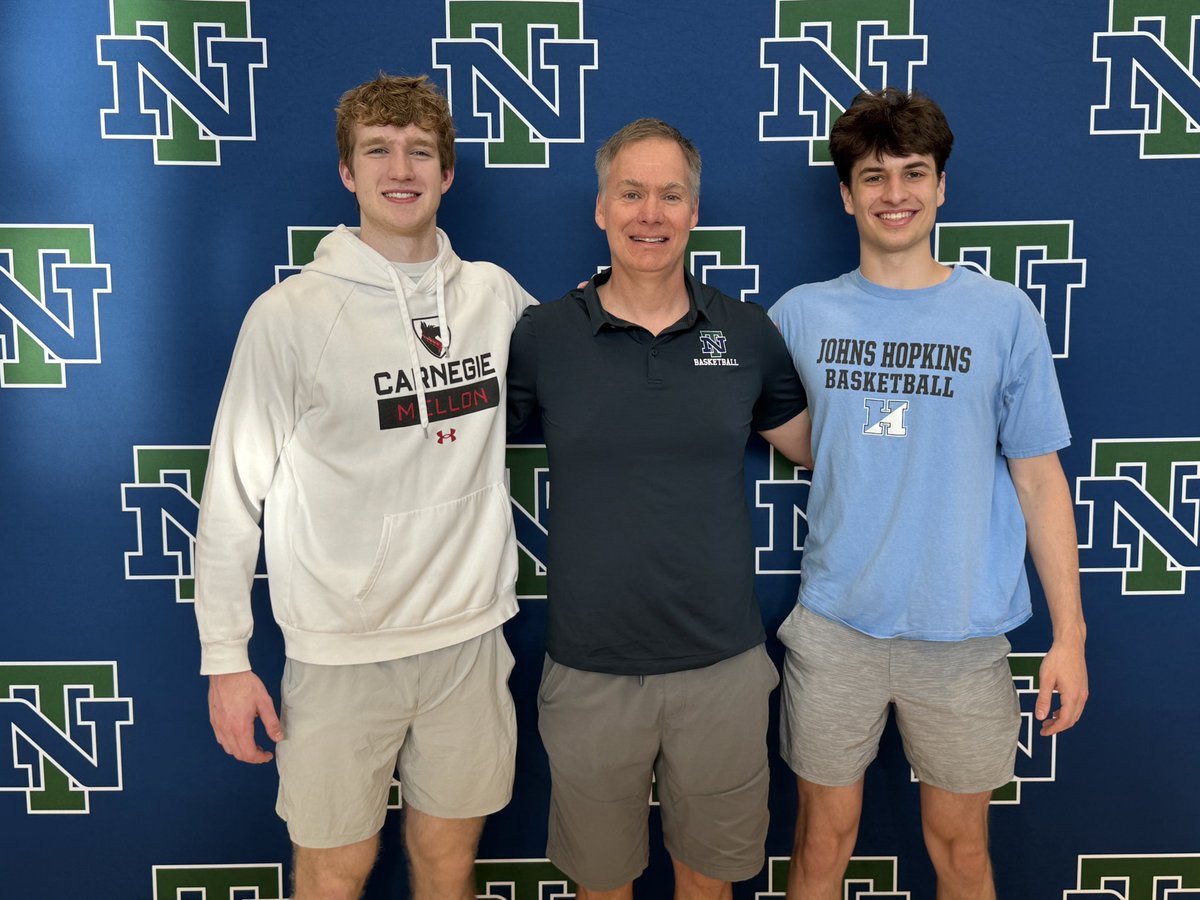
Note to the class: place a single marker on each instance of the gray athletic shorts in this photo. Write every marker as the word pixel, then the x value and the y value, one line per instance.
pixel 444 719
pixel 956 705
pixel 701 733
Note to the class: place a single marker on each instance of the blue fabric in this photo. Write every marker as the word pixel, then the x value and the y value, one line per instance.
pixel 917 398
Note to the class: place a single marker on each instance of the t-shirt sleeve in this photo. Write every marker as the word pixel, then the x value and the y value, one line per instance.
pixel 782 396
pixel 522 374
pixel 786 316
pixel 1032 418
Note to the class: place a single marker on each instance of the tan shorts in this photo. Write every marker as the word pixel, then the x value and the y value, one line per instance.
pixel 701 733
pixel 443 719
pixel 955 702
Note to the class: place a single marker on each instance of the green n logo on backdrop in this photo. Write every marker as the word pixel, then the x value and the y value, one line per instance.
pixel 183 76
pixel 1152 74
pixel 228 882
pixel 164 496
pixel 521 879
pixel 50 289
pixel 824 53
pixel 1037 756
pixel 1142 512
pixel 1037 257
pixel 60 732
pixel 875 877
pixel 1151 876
pixel 515 74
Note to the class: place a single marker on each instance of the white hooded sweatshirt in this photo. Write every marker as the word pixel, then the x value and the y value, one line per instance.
pixel 363 422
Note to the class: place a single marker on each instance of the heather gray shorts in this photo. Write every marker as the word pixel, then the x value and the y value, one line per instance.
pixel 443 719
pixel 955 702
pixel 701 733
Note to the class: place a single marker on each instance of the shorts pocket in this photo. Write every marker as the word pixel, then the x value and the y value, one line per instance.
pixel 553 676
pixel 770 674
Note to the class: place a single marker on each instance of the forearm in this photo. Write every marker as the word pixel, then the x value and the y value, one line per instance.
pixel 793 439
pixel 1050 525
pixel 1045 499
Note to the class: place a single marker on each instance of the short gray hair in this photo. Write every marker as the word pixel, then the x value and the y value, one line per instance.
pixel 644 130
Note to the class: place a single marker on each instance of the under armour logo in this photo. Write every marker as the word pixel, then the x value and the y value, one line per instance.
pixel 444 436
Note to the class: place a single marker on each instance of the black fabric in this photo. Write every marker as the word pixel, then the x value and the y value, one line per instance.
pixel 650 565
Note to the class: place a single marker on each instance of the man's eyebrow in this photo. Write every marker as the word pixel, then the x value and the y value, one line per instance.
pixel 915 164
pixel 633 182
pixel 380 140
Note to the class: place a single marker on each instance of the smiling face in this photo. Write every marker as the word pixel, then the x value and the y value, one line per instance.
pixel 894 201
pixel 646 208
pixel 398 179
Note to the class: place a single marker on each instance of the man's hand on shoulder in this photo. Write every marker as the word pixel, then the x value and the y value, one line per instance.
pixel 235 700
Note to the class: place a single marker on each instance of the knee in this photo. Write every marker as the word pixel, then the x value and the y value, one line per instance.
pixel 690 883
pixel 962 858
pixel 328 887
pixel 330 875
pixel 444 859
pixel 441 851
pixel 823 850
pixel 826 829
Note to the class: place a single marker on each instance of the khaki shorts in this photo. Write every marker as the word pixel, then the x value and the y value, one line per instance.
pixel 956 705
pixel 443 719
pixel 701 733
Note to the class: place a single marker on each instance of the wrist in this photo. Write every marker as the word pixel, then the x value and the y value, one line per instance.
pixel 1071 635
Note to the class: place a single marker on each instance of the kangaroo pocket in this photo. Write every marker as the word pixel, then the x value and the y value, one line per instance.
pixel 440 562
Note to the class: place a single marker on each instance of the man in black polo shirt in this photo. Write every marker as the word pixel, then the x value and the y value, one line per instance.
pixel 648 384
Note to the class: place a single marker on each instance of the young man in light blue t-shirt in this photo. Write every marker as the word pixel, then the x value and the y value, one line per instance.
pixel 936 421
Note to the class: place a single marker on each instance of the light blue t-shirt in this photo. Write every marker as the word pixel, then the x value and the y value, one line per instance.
pixel 917 397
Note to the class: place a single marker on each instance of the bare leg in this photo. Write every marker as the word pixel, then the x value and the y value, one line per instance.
pixel 956 836
pixel 335 873
pixel 691 885
pixel 826 829
pixel 625 892
pixel 441 855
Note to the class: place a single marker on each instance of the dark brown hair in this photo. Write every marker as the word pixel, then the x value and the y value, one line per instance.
pixel 889 122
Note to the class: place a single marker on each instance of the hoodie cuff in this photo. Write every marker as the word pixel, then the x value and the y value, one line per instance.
pixel 224 657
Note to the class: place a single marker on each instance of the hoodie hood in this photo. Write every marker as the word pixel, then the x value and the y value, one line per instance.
pixel 342 254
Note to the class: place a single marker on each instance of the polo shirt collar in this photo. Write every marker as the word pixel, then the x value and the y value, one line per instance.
pixel 699 298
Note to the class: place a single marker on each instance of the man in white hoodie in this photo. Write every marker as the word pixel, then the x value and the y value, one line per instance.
pixel 362 420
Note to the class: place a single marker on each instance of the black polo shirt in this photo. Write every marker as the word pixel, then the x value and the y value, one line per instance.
pixel 650 565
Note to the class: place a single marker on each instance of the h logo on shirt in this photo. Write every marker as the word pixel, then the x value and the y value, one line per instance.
pixel 885 417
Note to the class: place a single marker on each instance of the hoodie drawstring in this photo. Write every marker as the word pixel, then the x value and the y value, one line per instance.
pixel 443 325
pixel 410 336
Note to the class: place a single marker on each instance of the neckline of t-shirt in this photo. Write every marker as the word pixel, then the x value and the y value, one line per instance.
pixel 909 294
pixel 416 271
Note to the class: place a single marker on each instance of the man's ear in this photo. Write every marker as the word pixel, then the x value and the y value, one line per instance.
pixel 847 198
pixel 347 175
